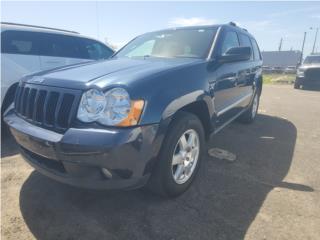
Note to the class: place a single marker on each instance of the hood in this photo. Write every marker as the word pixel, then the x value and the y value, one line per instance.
pixel 312 65
pixel 106 72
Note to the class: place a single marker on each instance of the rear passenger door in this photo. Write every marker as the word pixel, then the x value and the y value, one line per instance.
pixel 228 99
pixel 246 76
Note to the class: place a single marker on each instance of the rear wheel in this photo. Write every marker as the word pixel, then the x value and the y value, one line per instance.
pixel 296 85
pixel 250 114
pixel 180 156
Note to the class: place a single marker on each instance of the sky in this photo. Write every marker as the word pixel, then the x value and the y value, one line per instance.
pixel 119 22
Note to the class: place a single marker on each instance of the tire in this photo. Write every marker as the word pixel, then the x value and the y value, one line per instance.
pixel 8 100
pixel 250 114
pixel 165 178
pixel 296 85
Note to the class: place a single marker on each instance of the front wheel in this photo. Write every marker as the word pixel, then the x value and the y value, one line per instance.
pixel 180 156
pixel 250 114
pixel 296 85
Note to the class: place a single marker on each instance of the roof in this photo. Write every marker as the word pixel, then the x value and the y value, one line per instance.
pixel 228 25
pixel 19 26
pixel 34 28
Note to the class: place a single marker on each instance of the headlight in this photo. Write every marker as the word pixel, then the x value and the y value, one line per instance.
pixel 113 108
pixel 92 104
pixel 300 72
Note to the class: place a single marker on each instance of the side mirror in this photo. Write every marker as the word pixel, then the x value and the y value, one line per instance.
pixel 236 54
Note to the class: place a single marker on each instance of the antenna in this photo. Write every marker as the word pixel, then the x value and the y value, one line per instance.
pixel 280 45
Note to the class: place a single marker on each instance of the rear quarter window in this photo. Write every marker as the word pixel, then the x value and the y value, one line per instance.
pixel 91 49
pixel 256 51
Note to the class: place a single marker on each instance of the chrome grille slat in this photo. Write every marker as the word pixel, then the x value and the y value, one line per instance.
pixel 35 106
pixel 49 107
pixel 57 110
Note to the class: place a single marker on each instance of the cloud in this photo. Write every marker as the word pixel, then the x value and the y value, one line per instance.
pixel 181 21
pixel 316 16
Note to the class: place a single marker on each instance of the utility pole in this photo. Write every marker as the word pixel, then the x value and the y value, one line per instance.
pixel 280 45
pixel 315 40
pixel 304 40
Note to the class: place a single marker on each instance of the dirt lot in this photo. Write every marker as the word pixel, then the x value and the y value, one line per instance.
pixel 270 192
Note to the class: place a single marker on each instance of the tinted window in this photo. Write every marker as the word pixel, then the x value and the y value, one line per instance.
pixel 256 51
pixel 245 42
pixel 184 43
pixel 19 42
pixel 312 59
pixel 91 49
pixel 230 40
pixel 56 45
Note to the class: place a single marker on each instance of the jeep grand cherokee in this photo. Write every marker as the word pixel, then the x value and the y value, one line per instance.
pixel 142 117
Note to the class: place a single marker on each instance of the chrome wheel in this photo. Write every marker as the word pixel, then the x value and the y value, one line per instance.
pixel 185 156
pixel 255 105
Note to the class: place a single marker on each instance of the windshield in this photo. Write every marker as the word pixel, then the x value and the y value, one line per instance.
pixel 184 43
pixel 312 59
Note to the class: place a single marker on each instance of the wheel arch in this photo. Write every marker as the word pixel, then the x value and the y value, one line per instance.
pixel 9 97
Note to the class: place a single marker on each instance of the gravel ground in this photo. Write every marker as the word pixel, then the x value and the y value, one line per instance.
pixel 271 190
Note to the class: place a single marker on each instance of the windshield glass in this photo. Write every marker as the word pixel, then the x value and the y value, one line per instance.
pixel 312 59
pixel 184 43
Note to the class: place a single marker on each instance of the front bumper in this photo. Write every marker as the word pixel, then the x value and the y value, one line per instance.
pixel 78 156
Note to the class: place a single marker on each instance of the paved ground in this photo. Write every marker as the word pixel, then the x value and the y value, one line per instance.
pixel 270 192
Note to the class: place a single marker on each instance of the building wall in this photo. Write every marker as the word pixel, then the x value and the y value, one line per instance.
pixel 281 58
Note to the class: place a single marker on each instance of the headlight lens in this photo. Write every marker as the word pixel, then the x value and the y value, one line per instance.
pixel 92 104
pixel 113 108
pixel 300 72
pixel 117 108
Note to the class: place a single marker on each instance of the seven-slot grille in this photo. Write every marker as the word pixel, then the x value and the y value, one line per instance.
pixel 49 107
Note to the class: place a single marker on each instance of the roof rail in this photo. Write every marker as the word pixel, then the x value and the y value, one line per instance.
pixel 49 28
pixel 233 24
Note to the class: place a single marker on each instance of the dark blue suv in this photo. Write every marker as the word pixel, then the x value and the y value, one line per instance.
pixel 142 117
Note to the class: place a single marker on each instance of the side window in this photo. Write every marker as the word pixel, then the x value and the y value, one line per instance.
pixel 19 42
pixel 256 51
pixel 245 42
pixel 56 45
pixel 90 49
pixel 230 40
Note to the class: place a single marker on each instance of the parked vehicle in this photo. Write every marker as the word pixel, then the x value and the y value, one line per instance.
pixel 26 49
pixel 267 69
pixel 143 116
pixel 290 70
pixel 308 74
pixel 277 70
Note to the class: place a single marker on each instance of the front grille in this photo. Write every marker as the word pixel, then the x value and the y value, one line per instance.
pixel 313 74
pixel 49 107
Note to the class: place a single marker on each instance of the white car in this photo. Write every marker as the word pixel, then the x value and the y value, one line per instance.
pixel 26 49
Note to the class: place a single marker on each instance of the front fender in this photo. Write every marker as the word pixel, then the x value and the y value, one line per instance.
pixel 183 101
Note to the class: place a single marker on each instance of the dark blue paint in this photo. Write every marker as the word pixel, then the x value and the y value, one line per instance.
pixel 166 85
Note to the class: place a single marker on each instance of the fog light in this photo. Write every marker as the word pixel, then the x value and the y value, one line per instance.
pixel 106 173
